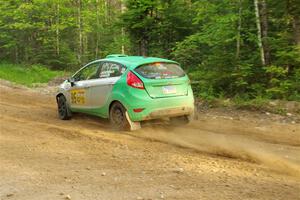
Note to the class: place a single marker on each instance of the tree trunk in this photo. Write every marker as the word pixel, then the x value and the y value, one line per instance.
pixel 296 27
pixel 16 54
pixel 143 47
pixel 106 11
pixel 238 38
pixel 259 39
pixel 97 33
pixel 293 9
pixel 57 29
pixel 80 43
pixel 122 29
pixel 264 28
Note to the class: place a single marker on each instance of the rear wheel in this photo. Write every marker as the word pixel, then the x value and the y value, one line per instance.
pixel 63 111
pixel 181 120
pixel 117 117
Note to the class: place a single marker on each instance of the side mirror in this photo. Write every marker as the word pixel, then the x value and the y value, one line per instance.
pixel 72 81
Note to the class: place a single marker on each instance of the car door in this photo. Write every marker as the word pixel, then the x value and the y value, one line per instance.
pixel 109 73
pixel 79 93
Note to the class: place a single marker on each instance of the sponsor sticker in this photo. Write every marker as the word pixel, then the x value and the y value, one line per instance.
pixel 78 97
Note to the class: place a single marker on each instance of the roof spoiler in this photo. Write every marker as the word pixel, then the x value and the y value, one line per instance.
pixel 116 55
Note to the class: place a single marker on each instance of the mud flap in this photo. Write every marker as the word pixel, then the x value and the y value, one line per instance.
pixel 133 125
pixel 194 115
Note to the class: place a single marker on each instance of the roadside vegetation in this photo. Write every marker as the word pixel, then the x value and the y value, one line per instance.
pixel 263 105
pixel 248 51
pixel 28 75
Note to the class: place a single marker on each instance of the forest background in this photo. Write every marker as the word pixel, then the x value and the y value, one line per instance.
pixel 238 49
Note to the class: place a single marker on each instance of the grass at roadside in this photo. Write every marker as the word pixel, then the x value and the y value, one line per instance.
pixel 28 75
pixel 281 107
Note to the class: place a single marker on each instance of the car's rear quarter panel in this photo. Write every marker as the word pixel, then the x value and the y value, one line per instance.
pixel 133 98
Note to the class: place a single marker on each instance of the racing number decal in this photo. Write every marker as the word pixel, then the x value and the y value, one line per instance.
pixel 78 97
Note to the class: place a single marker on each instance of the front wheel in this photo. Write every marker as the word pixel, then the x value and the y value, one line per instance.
pixel 63 111
pixel 117 117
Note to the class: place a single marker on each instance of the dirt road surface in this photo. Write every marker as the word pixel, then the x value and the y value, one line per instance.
pixel 216 157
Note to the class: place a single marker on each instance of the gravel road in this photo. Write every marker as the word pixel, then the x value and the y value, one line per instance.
pixel 218 156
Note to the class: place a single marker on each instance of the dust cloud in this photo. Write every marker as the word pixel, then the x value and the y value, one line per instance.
pixel 226 145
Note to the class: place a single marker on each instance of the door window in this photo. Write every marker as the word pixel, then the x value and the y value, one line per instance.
pixel 88 73
pixel 110 69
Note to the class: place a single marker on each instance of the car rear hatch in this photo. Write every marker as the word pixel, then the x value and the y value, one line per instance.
pixel 163 79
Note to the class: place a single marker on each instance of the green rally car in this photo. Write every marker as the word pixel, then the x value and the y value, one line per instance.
pixel 128 90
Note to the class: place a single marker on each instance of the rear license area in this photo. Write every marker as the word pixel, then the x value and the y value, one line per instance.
pixel 169 89
pixel 166 88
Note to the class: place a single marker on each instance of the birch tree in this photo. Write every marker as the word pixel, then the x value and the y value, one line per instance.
pixel 238 38
pixel 259 36
pixel 57 28
pixel 80 38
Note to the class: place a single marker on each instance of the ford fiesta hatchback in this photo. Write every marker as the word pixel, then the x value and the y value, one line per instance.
pixel 128 90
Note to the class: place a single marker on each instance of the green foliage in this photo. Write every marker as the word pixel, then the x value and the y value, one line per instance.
pixel 27 75
pixel 202 85
pixel 155 26
pixel 211 56
pixel 59 33
pixel 280 86
pixel 215 41
pixel 257 103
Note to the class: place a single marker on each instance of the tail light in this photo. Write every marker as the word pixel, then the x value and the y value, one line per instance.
pixel 134 81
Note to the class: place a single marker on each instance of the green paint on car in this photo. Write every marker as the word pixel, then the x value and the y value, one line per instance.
pixel 144 87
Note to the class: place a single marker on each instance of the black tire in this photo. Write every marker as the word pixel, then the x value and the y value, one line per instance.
pixel 117 117
pixel 181 120
pixel 64 112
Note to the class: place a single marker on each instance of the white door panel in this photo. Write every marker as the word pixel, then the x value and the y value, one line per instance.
pixel 79 93
pixel 99 91
pixel 94 84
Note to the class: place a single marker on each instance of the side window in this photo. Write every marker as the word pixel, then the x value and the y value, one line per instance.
pixel 104 72
pixel 88 73
pixel 109 69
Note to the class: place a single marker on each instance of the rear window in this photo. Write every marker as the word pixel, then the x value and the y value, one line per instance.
pixel 160 71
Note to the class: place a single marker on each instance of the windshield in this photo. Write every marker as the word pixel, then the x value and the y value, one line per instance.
pixel 160 70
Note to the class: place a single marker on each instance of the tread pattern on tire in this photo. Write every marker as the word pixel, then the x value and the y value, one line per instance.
pixel 125 125
pixel 67 114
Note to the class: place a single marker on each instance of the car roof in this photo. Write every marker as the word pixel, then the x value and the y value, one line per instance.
pixel 133 61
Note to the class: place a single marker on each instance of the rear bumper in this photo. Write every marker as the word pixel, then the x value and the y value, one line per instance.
pixel 169 112
pixel 155 108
